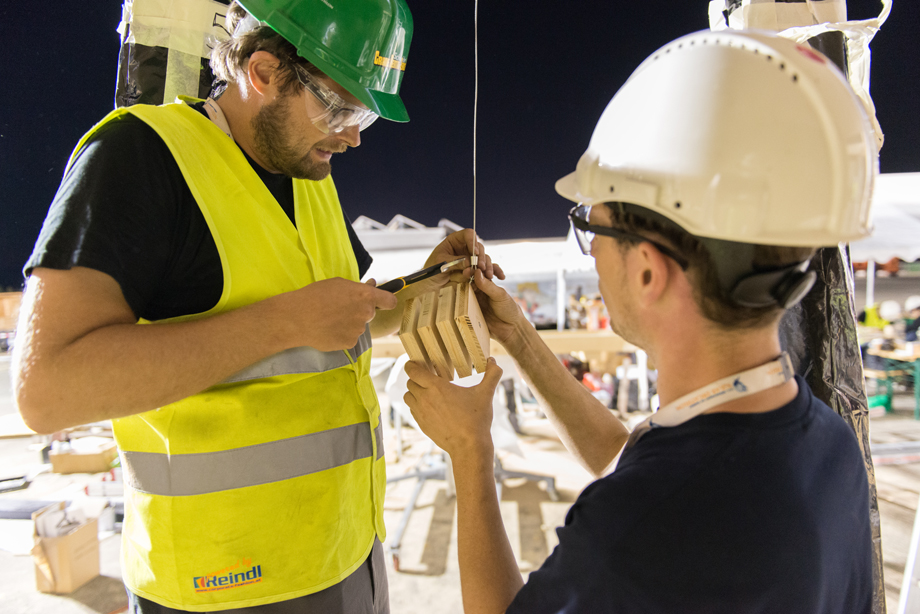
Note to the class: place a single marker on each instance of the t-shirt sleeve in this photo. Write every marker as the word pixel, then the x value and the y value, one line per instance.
pixel 115 210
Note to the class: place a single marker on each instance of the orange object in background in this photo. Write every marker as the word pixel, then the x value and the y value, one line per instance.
pixel 891 267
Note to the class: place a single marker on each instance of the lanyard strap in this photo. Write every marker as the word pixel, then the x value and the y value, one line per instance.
pixel 217 116
pixel 731 388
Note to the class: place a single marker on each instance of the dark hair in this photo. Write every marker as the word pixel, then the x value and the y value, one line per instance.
pixel 229 57
pixel 708 292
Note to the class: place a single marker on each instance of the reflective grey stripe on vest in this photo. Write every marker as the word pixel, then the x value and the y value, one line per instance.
pixel 303 360
pixel 180 475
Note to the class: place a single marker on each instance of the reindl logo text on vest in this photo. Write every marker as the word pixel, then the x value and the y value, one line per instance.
pixel 229 577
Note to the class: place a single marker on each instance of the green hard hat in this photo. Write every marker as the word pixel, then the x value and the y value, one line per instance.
pixel 361 44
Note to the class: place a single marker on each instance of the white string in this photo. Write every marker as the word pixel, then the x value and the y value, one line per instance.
pixel 475 101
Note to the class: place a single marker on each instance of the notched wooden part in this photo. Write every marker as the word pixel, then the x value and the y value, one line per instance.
pixel 447 328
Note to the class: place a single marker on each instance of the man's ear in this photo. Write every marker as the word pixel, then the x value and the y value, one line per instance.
pixel 260 71
pixel 651 273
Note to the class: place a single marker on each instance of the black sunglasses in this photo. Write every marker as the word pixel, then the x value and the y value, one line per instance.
pixel 585 232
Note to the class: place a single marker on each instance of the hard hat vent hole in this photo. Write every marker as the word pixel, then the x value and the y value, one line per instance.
pixel 782 67
pixel 611 189
pixel 769 58
pixel 677 205
pixel 795 78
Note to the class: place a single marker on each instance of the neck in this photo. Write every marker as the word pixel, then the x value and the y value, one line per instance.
pixel 689 361
pixel 239 108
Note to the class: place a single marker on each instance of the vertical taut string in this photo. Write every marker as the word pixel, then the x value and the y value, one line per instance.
pixel 474 260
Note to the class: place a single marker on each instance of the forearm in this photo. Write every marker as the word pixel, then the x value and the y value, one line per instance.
pixel 489 575
pixel 587 428
pixel 123 369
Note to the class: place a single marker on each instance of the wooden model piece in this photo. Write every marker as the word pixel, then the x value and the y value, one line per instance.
pixel 428 331
pixel 408 333
pixel 450 334
pixel 445 330
pixel 472 325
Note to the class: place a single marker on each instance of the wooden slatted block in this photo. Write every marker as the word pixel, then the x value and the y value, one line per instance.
pixel 431 339
pixel 408 333
pixel 450 334
pixel 472 325
pixel 445 330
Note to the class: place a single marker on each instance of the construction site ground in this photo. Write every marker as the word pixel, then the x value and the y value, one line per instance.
pixel 428 578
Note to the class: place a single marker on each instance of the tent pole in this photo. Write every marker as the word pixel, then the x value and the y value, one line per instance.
pixel 870 283
pixel 561 299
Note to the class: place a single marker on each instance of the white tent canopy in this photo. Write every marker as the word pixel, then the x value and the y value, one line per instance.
pixel 896 217
pixel 533 258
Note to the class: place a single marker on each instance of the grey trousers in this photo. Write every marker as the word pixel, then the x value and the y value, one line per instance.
pixel 365 591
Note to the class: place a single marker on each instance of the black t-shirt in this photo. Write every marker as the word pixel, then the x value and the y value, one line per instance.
pixel 727 513
pixel 125 209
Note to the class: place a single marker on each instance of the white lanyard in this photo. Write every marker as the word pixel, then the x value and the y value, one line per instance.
pixel 727 389
pixel 217 116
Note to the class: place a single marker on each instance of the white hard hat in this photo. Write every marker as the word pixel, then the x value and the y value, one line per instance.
pixel 911 302
pixel 738 136
pixel 889 311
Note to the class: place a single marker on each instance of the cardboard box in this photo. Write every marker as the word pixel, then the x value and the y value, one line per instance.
pixel 84 459
pixel 64 564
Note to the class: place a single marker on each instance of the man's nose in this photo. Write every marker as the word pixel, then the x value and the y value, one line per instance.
pixel 351 136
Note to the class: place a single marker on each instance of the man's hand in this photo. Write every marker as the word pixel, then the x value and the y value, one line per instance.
pixel 463 244
pixel 457 419
pixel 503 315
pixel 332 314
pixel 460 244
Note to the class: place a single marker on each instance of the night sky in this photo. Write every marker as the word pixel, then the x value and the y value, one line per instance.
pixel 547 70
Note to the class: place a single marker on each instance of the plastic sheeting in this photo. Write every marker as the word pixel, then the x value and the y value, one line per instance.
pixel 820 332
pixel 810 21
pixel 165 45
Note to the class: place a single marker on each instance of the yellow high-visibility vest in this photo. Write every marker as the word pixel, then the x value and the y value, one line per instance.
pixel 268 486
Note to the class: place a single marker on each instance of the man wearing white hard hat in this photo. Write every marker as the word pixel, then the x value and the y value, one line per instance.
pixel 711 177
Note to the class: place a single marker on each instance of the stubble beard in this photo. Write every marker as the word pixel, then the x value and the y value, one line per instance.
pixel 621 311
pixel 274 145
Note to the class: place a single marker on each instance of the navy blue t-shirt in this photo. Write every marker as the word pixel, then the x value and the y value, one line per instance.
pixel 726 513
pixel 125 209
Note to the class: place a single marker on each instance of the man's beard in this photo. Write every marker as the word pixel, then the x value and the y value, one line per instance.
pixel 622 315
pixel 271 141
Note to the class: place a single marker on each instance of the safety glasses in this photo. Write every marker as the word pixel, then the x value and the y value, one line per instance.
pixel 339 114
pixel 585 231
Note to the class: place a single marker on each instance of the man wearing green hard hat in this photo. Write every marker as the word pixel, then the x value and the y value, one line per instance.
pixel 197 282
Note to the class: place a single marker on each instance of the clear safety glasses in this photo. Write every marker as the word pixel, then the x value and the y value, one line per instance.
pixel 585 231
pixel 340 115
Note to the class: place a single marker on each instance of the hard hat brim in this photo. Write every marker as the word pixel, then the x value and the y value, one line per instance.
pixel 387 106
pixel 567 187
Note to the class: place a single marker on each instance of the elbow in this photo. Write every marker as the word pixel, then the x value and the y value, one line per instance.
pixel 36 417
pixel 37 411
pixel 604 464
